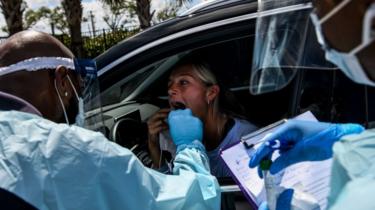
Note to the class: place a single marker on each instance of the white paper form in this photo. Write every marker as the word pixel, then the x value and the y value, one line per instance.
pixel 311 177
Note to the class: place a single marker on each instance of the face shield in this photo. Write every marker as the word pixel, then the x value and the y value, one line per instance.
pixel 86 89
pixel 285 42
pixel 90 94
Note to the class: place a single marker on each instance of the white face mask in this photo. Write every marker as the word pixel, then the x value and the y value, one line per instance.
pixel 348 62
pixel 80 118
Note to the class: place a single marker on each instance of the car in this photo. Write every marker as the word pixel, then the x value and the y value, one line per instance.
pixel 133 76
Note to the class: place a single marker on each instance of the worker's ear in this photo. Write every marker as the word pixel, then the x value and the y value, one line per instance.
pixel 212 92
pixel 62 83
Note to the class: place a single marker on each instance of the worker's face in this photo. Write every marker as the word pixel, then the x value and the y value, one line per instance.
pixel 186 88
pixel 343 30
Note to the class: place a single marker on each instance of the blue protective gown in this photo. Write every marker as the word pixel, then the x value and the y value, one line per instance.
pixel 56 166
pixel 353 172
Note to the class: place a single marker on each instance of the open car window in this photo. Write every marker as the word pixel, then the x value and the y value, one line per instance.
pixel 122 89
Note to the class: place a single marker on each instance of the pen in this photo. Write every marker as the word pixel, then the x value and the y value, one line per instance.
pixel 277 144
pixel 268 128
pixel 274 144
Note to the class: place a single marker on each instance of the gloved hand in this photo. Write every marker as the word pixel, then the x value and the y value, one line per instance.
pixel 302 141
pixel 184 127
pixel 283 201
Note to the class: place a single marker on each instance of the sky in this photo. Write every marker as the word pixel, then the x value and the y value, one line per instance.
pixel 88 5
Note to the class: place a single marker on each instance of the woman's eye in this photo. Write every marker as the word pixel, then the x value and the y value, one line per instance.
pixel 183 82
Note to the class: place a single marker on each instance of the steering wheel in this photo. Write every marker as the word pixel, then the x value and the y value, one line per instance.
pixel 132 134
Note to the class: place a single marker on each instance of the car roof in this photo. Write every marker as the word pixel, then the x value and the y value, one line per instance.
pixel 214 11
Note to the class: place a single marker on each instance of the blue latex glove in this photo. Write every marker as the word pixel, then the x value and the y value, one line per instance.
pixel 302 141
pixel 283 201
pixel 184 127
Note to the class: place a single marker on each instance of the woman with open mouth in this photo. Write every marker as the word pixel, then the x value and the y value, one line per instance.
pixel 193 86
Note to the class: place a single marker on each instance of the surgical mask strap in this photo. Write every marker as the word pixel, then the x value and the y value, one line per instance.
pixel 79 121
pixel 74 89
pixel 334 11
pixel 366 32
pixel 62 104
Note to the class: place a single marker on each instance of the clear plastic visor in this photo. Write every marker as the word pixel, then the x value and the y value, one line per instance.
pixel 285 42
pixel 90 93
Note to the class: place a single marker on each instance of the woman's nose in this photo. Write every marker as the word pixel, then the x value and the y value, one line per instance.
pixel 172 89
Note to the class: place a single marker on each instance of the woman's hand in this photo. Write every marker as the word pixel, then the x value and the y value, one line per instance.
pixel 156 124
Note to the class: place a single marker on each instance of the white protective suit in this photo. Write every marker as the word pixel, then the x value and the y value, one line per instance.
pixel 56 166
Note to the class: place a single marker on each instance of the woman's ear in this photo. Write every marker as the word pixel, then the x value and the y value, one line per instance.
pixel 212 93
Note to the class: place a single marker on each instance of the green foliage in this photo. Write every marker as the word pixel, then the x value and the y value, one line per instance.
pixel 118 15
pixel 55 17
pixel 140 8
pixel 97 45
pixel 30 19
pixel 105 39
pixel 170 11
pixel 58 19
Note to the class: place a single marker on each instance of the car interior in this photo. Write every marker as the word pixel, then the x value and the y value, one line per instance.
pixel 142 91
pixel 325 93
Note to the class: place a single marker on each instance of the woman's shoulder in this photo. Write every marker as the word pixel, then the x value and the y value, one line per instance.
pixel 244 124
pixel 240 128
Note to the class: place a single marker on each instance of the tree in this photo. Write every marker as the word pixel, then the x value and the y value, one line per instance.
pixel 55 17
pixel 118 15
pixel 144 13
pixel 168 12
pixel 73 14
pixel 58 20
pixel 13 13
pixel 141 8
pixel 31 18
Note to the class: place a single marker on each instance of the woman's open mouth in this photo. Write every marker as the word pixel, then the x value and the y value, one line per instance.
pixel 178 105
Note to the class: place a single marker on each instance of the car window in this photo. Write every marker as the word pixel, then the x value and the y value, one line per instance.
pixel 122 89
pixel 333 97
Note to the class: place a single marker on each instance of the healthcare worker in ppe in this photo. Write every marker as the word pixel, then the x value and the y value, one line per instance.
pixel 51 163
pixel 351 47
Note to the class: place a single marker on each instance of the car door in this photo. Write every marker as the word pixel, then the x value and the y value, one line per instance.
pixel 134 84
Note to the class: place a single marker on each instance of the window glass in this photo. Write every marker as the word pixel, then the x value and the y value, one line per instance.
pixel 122 89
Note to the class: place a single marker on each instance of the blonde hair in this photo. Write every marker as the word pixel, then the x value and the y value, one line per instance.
pixel 203 72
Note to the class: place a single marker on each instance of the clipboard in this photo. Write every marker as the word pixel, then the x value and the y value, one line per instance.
pixel 311 177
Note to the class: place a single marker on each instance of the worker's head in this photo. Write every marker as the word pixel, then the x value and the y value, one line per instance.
pixel 40 69
pixel 345 28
